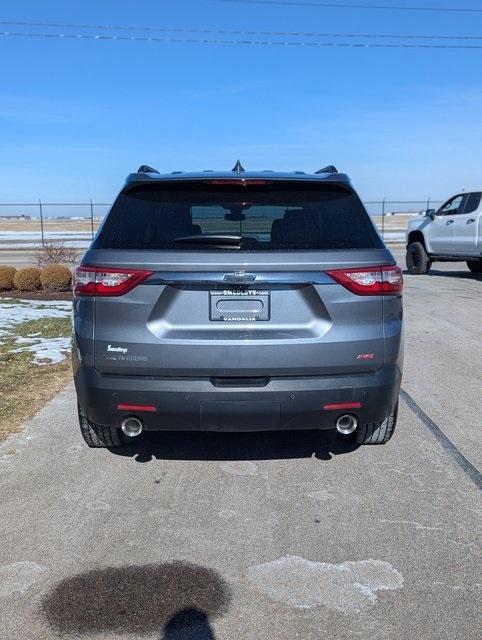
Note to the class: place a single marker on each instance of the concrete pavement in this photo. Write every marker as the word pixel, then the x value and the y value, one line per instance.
pixel 259 536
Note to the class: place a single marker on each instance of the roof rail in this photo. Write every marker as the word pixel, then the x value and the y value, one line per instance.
pixel 145 168
pixel 329 169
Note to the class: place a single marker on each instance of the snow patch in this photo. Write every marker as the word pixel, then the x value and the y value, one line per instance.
pixel 13 313
pixel 394 236
pixel 32 239
pixel 48 235
pixel 44 350
pixel 47 351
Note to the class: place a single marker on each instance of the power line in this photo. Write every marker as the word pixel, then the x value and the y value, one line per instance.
pixel 332 5
pixel 304 34
pixel 283 43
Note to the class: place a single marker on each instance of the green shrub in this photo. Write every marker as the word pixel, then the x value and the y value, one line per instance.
pixel 27 279
pixel 7 275
pixel 56 277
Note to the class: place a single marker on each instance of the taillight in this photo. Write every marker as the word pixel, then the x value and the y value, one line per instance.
pixel 370 281
pixel 107 281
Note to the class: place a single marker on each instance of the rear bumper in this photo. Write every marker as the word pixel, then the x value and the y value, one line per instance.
pixel 199 404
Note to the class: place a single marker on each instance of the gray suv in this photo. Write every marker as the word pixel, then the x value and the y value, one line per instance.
pixel 237 301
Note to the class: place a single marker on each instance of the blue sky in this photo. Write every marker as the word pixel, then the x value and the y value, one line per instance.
pixel 77 116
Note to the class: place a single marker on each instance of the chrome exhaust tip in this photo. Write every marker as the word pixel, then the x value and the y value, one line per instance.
pixel 346 424
pixel 131 426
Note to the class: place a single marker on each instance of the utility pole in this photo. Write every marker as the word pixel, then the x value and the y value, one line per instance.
pixel 383 218
pixel 91 219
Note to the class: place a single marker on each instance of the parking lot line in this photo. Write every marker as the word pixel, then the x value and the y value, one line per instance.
pixel 466 466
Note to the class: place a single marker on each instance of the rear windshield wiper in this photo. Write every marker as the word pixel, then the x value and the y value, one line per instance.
pixel 214 239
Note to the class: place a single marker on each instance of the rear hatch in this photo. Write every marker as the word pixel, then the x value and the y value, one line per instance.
pixel 237 278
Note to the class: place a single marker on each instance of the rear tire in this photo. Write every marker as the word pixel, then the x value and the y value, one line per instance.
pixel 377 432
pixel 96 436
pixel 475 266
pixel 417 259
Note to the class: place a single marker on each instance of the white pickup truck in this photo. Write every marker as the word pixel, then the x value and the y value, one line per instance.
pixel 452 233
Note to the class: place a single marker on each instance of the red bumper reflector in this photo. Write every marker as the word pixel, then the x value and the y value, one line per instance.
pixel 136 407
pixel 342 405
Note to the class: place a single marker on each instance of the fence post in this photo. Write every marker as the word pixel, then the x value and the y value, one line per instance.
pixel 41 221
pixel 91 219
pixel 383 218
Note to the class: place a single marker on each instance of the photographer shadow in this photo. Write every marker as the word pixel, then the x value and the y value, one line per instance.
pixel 188 624
pixel 176 600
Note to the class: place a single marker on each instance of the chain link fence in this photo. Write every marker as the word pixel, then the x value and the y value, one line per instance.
pixel 31 225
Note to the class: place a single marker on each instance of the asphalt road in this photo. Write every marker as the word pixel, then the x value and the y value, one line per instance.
pixel 16 258
pixel 260 536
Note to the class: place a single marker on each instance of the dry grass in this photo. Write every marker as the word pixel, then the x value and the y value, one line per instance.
pixel 49 225
pixel 25 387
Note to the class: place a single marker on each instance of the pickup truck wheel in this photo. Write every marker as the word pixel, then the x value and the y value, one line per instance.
pixel 417 259
pixel 377 432
pixel 475 266
pixel 95 435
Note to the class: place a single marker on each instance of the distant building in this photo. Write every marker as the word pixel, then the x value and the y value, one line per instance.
pixel 21 216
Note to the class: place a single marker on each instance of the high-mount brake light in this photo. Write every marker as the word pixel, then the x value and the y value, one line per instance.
pixel 370 281
pixel 107 281
pixel 239 182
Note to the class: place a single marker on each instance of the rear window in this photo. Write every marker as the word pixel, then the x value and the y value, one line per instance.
pixel 278 216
